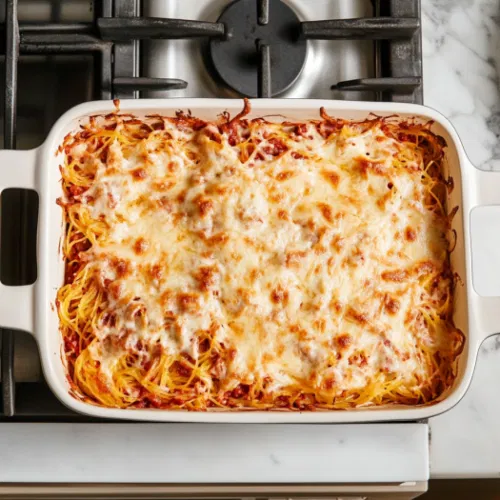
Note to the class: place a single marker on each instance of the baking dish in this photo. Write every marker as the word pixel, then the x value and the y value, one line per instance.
pixel 31 308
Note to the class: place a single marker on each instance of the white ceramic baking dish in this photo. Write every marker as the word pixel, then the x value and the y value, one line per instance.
pixel 31 308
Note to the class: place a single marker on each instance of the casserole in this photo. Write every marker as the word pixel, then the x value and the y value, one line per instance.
pixel 32 308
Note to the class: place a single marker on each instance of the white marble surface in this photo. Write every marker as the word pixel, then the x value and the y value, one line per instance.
pixel 197 453
pixel 461 46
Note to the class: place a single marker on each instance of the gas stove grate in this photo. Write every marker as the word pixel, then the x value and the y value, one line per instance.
pixel 113 39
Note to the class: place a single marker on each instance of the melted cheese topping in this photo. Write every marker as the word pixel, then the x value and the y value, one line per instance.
pixel 306 258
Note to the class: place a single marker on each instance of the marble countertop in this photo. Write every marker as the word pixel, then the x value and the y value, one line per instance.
pixel 461 47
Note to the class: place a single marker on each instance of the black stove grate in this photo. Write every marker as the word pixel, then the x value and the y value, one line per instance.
pixel 113 40
pixel 396 31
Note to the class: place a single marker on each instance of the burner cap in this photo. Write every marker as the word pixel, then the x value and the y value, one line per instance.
pixel 239 60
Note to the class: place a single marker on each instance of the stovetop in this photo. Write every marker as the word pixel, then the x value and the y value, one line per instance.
pixel 349 54
pixel 58 54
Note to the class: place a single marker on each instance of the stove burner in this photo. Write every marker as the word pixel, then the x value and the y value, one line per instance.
pixel 262 54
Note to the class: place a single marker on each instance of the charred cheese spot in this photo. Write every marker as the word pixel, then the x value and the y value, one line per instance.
pixel 279 295
pixel 358 359
pixel 276 197
pixel 343 341
pixel 391 305
pixel 115 290
pixel 331 177
pixel 366 167
pixel 205 205
pixel 122 267
pixel 141 245
pixel 320 325
pixel 188 302
pixel 337 242
pixel 207 277
pixel 218 239
pixel 294 258
pixel 162 185
pixel 255 274
pixel 410 234
pixel 326 211
pixel 284 176
pixel 283 215
pixel 328 383
pixel 356 316
pixel 181 197
pixel 139 174
pixel 318 250
pixel 166 204
pixel 398 275
pixel 156 271
pixel 337 306
pixel 382 202
pixel 425 267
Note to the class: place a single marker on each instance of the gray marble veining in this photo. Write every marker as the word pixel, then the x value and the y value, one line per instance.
pixel 461 47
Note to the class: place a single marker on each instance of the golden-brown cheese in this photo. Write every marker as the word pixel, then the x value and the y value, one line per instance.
pixel 303 258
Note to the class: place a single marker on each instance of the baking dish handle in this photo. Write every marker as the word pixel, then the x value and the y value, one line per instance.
pixel 17 308
pixel 484 219
pixel 17 170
